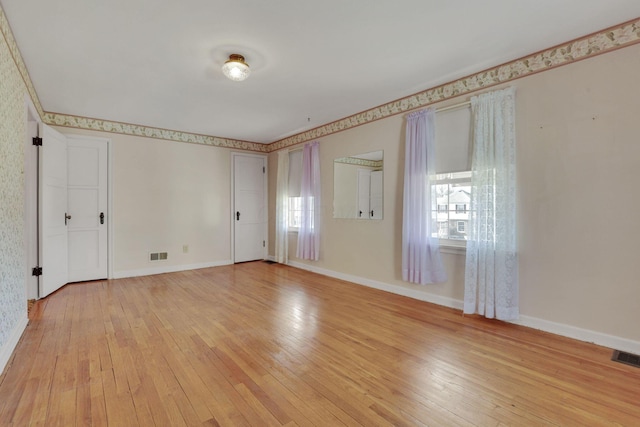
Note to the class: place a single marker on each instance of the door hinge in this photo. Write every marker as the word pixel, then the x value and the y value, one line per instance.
pixel 37 271
pixel 37 141
pixel 263 243
pixel 264 169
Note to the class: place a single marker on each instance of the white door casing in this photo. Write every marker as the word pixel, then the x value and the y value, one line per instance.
pixel 87 205
pixel 249 215
pixel 52 211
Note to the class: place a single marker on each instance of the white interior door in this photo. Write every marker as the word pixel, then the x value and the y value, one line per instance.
pixel 375 203
pixel 53 210
pixel 87 206
pixel 250 222
pixel 364 188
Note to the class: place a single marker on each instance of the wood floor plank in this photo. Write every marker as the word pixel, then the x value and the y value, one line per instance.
pixel 266 345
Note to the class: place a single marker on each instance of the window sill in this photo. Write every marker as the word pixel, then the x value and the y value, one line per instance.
pixel 453 249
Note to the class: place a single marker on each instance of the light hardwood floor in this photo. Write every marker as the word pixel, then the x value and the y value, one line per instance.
pixel 269 345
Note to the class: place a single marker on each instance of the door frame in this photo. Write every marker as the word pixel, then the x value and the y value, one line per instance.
pixel 232 211
pixel 31 221
pixel 31 225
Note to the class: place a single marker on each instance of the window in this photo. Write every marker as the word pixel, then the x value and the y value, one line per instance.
pixel 295 212
pixel 295 180
pixel 452 192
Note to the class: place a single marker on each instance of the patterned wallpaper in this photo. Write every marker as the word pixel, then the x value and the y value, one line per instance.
pixel 13 300
pixel 66 120
pixel 359 162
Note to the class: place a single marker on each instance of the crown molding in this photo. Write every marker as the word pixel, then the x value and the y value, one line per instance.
pixel 78 122
pixel 610 39
pixel 7 34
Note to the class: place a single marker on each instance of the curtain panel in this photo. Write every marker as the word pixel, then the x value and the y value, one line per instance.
pixel 421 261
pixel 282 208
pixel 491 267
pixel 310 192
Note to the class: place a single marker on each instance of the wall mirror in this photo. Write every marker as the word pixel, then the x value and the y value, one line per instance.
pixel 357 186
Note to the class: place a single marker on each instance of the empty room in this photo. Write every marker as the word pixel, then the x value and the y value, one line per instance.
pixel 294 213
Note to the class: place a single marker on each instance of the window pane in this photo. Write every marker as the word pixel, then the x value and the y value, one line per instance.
pixel 453 193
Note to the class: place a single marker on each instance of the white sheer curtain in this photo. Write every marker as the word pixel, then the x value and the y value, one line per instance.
pixel 421 262
pixel 491 271
pixel 309 233
pixel 282 208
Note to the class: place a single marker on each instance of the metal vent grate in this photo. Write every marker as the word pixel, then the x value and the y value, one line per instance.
pixel 626 358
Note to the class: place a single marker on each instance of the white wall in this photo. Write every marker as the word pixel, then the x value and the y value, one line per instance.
pixel 578 162
pixel 166 195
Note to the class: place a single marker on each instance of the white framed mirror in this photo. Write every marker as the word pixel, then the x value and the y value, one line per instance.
pixel 358 186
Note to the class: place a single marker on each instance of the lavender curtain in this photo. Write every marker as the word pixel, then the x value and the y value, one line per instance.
pixel 282 208
pixel 491 268
pixel 421 262
pixel 309 232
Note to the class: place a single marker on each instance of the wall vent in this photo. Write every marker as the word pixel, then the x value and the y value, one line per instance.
pixel 626 358
pixel 158 256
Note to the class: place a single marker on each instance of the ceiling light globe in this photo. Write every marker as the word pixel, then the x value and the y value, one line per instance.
pixel 235 68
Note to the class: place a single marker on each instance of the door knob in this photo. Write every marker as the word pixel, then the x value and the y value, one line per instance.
pixel 371 214
pixel 66 217
pixel 238 216
pixel 360 214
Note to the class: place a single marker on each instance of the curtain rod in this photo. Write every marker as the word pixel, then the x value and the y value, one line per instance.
pixel 453 107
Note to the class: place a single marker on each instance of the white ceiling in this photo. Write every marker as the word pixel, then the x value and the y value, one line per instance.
pixel 157 62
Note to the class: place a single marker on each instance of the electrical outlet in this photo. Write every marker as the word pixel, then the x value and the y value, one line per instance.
pixel 185 249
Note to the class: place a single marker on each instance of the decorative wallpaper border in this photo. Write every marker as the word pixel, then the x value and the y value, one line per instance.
pixel 607 40
pixel 622 35
pixel 5 29
pixel 67 120
pixel 359 162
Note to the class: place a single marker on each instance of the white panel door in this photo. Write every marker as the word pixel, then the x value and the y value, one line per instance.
pixel 87 206
pixel 375 201
pixel 249 208
pixel 364 184
pixel 53 210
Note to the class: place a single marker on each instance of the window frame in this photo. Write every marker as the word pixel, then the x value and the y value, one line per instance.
pixel 456 246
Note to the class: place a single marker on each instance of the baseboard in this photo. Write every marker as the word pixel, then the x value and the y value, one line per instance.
pixel 7 349
pixel 394 289
pixel 580 334
pixel 568 331
pixel 271 258
pixel 167 269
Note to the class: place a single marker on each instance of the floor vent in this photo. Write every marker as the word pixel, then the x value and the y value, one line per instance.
pixel 626 358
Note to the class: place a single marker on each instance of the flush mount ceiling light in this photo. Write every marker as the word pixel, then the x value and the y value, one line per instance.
pixel 235 68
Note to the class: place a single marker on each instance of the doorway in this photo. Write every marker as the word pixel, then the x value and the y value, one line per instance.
pixel 66 209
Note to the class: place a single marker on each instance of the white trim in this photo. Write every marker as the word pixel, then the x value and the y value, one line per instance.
pixel 568 331
pixel 394 289
pixel 30 165
pixel 580 334
pixel 168 269
pixel 7 349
